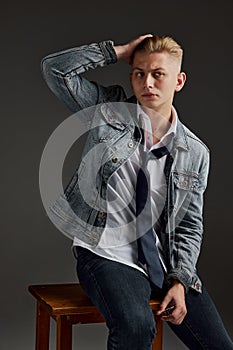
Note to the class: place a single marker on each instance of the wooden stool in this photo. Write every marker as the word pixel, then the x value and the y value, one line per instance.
pixel 67 304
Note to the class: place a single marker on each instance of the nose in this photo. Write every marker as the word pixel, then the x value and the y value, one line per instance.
pixel 148 82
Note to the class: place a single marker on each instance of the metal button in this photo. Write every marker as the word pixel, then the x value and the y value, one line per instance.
pixel 101 213
pixel 111 118
pixel 115 159
pixel 185 183
pixel 130 144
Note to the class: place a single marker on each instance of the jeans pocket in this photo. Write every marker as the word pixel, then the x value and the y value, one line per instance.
pixel 84 257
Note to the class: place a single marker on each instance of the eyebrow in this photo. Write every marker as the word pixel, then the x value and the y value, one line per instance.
pixel 153 70
pixel 137 68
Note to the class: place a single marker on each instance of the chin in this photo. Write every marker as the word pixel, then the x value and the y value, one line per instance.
pixel 149 104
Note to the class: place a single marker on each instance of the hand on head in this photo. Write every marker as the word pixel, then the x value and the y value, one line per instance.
pixel 124 52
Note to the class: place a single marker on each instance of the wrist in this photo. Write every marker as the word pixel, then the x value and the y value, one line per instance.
pixel 178 284
pixel 181 276
pixel 122 53
pixel 119 50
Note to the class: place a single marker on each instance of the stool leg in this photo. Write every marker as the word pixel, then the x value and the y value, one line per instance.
pixel 42 327
pixel 158 341
pixel 64 333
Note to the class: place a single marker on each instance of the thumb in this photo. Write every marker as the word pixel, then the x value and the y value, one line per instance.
pixel 164 305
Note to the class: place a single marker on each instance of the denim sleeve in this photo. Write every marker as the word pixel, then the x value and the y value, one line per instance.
pixel 63 73
pixel 188 233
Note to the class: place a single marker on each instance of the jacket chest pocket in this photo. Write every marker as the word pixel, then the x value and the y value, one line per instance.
pixel 185 187
pixel 185 181
pixel 107 133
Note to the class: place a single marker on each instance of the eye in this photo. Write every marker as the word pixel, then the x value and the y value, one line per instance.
pixel 139 74
pixel 158 74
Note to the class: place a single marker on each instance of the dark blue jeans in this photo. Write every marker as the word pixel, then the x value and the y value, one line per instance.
pixel 122 295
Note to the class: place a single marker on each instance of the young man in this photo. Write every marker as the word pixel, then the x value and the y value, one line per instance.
pixel 113 268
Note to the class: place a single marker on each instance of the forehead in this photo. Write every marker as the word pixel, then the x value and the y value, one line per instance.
pixel 144 60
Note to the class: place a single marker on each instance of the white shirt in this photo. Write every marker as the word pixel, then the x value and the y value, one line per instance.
pixel 118 241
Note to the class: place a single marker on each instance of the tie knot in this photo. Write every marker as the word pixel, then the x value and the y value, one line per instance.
pixel 155 153
pixel 160 152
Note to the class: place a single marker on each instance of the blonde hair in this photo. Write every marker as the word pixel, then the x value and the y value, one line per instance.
pixel 159 44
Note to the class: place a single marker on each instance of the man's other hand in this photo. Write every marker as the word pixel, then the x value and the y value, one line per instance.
pixel 174 297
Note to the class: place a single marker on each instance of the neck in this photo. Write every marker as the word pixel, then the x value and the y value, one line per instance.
pixel 160 123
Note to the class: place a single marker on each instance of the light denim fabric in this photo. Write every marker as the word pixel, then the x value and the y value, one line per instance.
pixel 114 129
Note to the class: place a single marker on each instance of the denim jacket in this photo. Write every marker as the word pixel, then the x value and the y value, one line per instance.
pixel 180 226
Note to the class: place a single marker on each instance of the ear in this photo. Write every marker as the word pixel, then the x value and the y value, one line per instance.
pixel 181 78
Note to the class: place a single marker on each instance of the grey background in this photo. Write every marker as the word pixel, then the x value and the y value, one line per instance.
pixel 32 250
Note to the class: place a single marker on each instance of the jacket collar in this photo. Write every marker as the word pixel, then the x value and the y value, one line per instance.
pixel 180 139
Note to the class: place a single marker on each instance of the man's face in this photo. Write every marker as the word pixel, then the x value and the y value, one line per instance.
pixel 154 79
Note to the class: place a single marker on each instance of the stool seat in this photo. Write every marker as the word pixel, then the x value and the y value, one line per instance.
pixel 68 304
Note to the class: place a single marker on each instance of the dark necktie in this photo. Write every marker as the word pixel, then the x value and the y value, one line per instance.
pixel 147 250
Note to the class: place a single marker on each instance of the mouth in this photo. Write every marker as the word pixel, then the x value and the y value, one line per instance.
pixel 148 95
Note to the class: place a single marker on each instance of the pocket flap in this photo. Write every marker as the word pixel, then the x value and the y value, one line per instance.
pixel 185 181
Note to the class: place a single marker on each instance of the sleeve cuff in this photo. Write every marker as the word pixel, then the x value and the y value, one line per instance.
pixel 181 276
pixel 108 51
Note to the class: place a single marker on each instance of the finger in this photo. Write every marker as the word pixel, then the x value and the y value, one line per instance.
pixel 146 35
pixel 166 301
pixel 176 321
pixel 177 316
pixel 162 308
pixel 172 319
pixel 142 37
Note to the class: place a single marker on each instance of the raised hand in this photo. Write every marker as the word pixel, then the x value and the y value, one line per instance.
pixel 124 52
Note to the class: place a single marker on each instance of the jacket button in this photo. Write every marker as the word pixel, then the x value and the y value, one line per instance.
pixel 185 183
pixel 115 159
pixel 130 144
pixel 101 213
pixel 111 118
